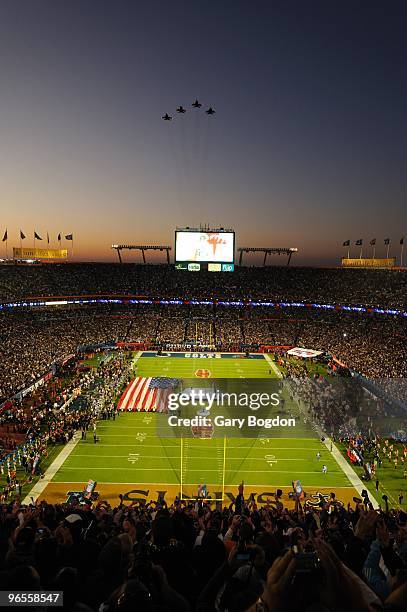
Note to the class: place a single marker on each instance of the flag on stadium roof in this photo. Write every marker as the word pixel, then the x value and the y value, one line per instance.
pixel 36 236
pixel 5 236
pixel 359 242
pixel 401 240
pixel 22 235
pixel 59 237
pixel 373 242
pixel 147 394
pixel 387 241
pixel 69 237
pixel 346 243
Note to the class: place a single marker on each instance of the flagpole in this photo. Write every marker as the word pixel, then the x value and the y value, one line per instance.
pixel 374 250
pixel 388 247
pixel 401 254
pixel 361 249
pixel 5 239
pixel 348 252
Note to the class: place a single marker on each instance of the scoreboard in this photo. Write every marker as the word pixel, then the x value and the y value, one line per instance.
pixel 197 249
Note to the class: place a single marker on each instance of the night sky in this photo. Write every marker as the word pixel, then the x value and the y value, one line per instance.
pixel 307 147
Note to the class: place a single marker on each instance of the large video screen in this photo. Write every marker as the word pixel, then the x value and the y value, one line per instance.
pixel 204 246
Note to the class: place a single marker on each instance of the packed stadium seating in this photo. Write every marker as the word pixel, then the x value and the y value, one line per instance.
pixel 191 555
pixel 32 339
pixel 369 287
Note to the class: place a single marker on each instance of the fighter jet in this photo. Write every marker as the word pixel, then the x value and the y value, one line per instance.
pixel 196 104
pixel 181 109
pixel 210 111
pixel 166 117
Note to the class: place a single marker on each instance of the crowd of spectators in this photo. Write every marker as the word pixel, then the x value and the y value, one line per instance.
pixel 52 413
pixel 188 556
pixel 32 339
pixel 191 555
pixel 333 404
pixel 377 288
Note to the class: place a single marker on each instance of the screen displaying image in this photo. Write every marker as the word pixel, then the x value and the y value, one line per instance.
pixel 204 246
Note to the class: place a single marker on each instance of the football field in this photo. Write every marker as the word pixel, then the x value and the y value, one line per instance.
pixel 227 365
pixel 139 458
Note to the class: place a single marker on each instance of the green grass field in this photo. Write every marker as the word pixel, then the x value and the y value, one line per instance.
pixel 392 481
pixel 129 451
pixel 219 368
pixel 134 452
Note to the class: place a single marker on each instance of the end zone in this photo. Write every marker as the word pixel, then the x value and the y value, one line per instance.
pixel 57 492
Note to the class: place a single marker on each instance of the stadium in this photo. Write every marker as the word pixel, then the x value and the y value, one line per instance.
pixel 92 355
pixel 151 387
pixel 203 307
pixel 142 391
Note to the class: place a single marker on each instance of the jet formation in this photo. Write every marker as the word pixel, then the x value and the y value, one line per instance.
pixel 181 110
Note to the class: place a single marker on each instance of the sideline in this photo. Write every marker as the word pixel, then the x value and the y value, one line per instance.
pixel 135 359
pixel 50 472
pixel 339 458
pixel 349 471
pixel 273 365
pixel 41 485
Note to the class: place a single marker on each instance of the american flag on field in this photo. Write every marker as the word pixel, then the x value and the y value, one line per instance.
pixel 147 394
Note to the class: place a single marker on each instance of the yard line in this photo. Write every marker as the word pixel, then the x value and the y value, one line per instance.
pixel 101 424
pixel 143 445
pixel 135 468
pixel 140 429
pixel 213 457
pixel 105 435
